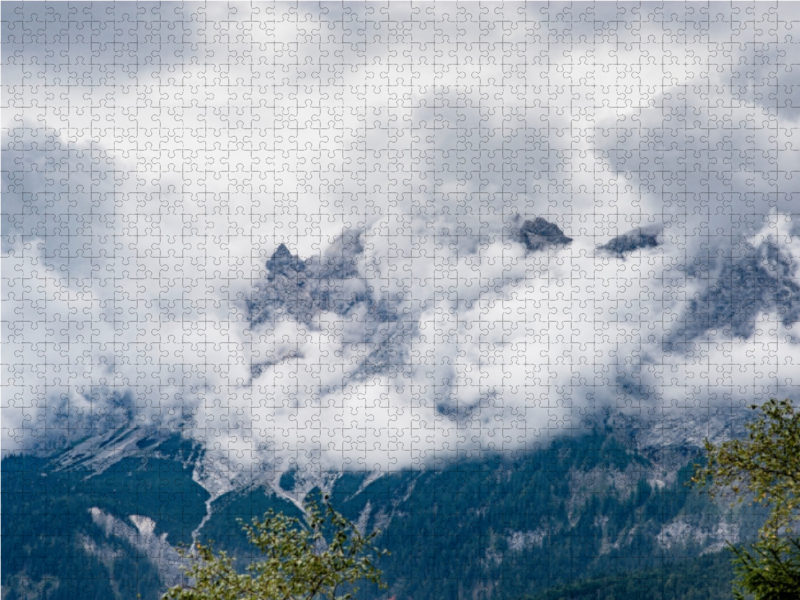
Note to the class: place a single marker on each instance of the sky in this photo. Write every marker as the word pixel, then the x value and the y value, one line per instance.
pixel 156 155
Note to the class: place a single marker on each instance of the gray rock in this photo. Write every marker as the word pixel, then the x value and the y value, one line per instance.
pixel 301 290
pixel 626 243
pixel 760 281
pixel 340 260
pixel 283 263
pixel 288 286
pixel 305 288
pixel 540 233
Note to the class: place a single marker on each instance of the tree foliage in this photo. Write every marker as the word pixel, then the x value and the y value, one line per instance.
pixel 765 467
pixel 298 562
pixel 771 571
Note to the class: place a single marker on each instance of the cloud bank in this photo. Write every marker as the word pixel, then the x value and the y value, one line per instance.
pixel 376 237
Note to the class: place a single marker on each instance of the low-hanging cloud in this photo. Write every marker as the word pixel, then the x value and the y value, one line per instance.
pixel 300 248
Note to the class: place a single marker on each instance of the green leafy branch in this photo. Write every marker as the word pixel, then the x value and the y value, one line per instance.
pixel 298 562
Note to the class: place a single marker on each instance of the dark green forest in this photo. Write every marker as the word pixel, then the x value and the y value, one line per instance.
pixel 46 526
pixel 704 578
pixel 544 524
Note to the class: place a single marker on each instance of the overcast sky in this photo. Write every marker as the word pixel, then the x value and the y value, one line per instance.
pixel 156 155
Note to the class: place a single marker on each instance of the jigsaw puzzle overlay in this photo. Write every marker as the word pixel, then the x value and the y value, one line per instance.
pixel 384 236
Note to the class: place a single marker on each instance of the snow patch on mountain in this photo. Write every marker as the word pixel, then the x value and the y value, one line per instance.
pixel 105 552
pixel 363 518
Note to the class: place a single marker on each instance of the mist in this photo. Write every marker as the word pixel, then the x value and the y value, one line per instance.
pixel 309 237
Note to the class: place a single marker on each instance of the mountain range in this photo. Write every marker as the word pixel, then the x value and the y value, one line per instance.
pixel 600 495
pixel 104 517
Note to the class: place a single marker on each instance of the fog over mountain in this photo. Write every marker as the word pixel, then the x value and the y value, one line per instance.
pixel 374 238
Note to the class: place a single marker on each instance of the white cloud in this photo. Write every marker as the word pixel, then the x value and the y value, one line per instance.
pixel 142 211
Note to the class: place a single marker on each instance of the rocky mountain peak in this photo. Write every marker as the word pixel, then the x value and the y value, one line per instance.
pixel 643 237
pixel 283 262
pixel 540 233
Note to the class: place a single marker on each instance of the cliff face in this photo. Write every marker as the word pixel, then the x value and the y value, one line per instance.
pixel 760 280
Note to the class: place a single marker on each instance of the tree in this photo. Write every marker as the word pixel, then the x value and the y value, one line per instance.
pixel 765 467
pixel 298 563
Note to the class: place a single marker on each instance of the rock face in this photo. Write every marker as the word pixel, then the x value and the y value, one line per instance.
pixel 760 281
pixel 156 549
pixel 288 287
pixel 302 289
pixel 283 263
pixel 540 233
pixel 626 243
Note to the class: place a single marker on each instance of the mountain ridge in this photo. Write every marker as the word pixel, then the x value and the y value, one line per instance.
pixel 611 495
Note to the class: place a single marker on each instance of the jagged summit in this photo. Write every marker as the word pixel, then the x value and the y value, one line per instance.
pixel 331 283
pixel 540 233
pixel 283 262
pixel 641 237
pixel 304 288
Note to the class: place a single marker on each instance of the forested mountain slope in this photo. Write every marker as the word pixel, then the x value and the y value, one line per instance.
pixel 495 526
